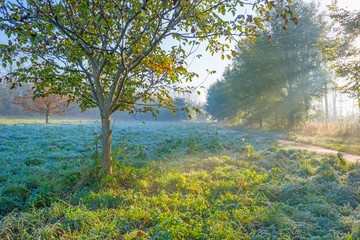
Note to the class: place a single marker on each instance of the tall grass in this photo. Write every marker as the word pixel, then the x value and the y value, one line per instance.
pixel 329 129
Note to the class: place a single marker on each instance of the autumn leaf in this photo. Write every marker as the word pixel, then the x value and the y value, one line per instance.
pixel 296 21
pixel 269 38
pixel 233 53
pixel 140 233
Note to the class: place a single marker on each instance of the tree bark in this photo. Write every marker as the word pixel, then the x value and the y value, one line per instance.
pixel 334 105
pixel 326 108
pixel 291 120
pixel 47 117
pixel 260 123
pixel 106 141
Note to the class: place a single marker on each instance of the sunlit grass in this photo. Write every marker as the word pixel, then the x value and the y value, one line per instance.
pixel 330 129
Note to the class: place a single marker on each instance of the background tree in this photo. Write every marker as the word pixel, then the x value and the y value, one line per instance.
pixel 341 47
pixel 111 54
pixel 49 105
pixel 275 78
pixel 219 100
pixel 252 81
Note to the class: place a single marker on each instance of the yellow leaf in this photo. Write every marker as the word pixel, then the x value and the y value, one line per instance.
pixel 222 57
pixel 233 53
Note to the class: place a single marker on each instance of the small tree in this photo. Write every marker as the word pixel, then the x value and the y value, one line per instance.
pixel 49 105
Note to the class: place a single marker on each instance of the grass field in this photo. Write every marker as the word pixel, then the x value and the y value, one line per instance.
pixel 171 181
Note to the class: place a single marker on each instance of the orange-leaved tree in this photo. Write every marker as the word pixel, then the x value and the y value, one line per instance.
pixel 46 105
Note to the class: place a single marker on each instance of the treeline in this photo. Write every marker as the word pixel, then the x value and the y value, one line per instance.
pixel 274 79
pixel 10 109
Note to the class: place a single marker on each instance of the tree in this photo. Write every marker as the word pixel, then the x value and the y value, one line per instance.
pixel 49 105
pixel 113 54
pixel 275 78
pixel 341 47
pixel 218 101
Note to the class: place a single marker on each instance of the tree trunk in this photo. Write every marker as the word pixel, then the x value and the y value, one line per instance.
pixel 326 108
pixel 260 123
pixel 47 117
pixel 106 140
pixel 334 105
pixel 291 120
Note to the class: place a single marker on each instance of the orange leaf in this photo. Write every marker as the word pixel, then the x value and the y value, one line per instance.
pixel 269 38
pixel 233 53
pixel 296 21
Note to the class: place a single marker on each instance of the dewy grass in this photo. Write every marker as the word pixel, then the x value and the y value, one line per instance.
pixel 171 181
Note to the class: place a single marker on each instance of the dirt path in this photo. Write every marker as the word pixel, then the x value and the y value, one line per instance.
pixel 321 150
pixel 347 156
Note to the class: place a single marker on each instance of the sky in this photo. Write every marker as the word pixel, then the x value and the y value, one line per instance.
pixel 215 63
